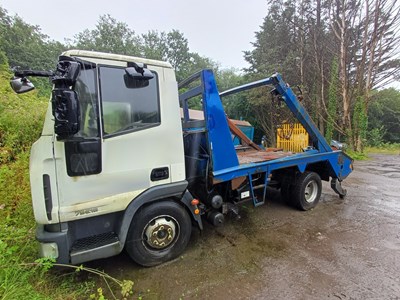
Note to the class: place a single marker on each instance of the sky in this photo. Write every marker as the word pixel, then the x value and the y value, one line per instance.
pixel 218 29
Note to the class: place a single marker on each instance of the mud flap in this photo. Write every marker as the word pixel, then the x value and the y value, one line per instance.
pixel 337 187
pixel 186 199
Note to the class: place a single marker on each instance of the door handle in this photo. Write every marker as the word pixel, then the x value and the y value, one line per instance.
pixel 159 174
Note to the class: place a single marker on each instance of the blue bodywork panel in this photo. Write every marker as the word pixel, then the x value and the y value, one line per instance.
pixel 219 136
pixel 224 161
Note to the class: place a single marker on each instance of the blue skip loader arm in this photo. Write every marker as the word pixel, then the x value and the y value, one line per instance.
pixel 293 104
pixel 224 163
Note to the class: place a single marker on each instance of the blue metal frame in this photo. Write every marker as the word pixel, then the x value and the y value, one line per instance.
pixel 225 164
pixel 293 104
pixel 219 137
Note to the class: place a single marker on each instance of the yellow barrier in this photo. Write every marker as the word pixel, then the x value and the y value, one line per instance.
pixel 292 138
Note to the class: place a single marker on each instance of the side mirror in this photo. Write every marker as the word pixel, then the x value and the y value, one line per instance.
pixel 66 112
pixel 21 85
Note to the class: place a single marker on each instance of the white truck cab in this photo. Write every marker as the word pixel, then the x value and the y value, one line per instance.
pixel 129 142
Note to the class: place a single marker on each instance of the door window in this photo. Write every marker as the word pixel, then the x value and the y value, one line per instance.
pixel 127 105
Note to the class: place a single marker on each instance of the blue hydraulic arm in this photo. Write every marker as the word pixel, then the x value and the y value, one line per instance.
pixel 293 104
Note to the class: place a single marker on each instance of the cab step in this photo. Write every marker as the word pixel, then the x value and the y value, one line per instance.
pixel 95 247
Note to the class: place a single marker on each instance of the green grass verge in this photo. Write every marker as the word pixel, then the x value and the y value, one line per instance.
pixel 21 120
pixel 392 149
pixel 357 155
pixel 22 276
pixel 384 149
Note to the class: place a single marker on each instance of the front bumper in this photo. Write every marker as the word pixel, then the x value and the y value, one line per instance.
pixel 54 244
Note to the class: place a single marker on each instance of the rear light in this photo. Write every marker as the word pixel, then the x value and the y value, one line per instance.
pixel 195 202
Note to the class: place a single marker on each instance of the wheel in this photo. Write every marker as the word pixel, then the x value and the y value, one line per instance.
pixel 307 191
pixel 158 233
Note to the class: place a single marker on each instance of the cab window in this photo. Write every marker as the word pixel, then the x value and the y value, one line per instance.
pixel 127 105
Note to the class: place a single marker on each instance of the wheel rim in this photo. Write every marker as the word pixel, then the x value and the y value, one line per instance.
pixel 311 191
pixel 161 232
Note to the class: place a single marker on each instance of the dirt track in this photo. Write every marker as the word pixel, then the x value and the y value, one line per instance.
pixel 343 249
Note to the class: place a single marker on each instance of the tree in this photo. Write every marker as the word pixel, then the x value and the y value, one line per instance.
pixel 332 101
pixel 27 47
pixel 154 45
pixel 109 35
pixel 301 38
pixel 384 115
pixel 365 30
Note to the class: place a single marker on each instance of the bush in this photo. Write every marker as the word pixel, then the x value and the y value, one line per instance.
pixel 375 137
pixel 21 119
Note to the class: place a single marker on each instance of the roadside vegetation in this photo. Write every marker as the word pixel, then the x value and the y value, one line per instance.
pixel 21 118
pixel 384 149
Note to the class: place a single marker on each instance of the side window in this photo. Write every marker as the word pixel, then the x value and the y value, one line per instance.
pixel 83 156
pixel 127 107
pixel 85 86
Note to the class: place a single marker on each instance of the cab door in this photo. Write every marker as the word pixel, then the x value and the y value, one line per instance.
pixel 125 144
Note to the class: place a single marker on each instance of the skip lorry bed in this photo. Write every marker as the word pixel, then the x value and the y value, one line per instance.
pixel 120 164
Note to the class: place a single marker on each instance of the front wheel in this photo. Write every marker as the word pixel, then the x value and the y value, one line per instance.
pixel 158 233
pixel 307 191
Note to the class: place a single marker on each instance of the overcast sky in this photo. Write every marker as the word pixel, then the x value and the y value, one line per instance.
pixel 218 29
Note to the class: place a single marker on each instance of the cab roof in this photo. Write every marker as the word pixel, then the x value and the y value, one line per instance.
pixel 116 57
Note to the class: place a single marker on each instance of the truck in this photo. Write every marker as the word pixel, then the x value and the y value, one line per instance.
pixel 120 164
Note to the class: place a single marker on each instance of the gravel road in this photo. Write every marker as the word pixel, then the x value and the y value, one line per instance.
pixel 342 249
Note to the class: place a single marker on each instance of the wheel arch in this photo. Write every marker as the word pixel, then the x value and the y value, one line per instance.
pixel 321 168
pixel 175 191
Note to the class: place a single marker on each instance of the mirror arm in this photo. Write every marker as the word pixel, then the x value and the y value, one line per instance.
pixel 138 68
pixel 24 73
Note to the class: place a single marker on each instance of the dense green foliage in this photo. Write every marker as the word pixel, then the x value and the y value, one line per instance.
pixel 25 46
pixel 384 117
pixel 21 118
pixel 339 52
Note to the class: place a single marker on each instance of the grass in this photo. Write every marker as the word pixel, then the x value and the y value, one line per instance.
pixel 18 248
pixel 357 155
pixel 22 276
pixel 385 148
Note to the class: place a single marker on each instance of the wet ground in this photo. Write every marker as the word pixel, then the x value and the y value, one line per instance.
pixel 343 249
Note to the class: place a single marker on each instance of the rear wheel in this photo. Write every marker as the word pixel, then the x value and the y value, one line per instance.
pixel 158 233
pixel 307 191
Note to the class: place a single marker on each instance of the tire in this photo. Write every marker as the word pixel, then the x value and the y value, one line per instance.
pixel 307 191
pixel 158 233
